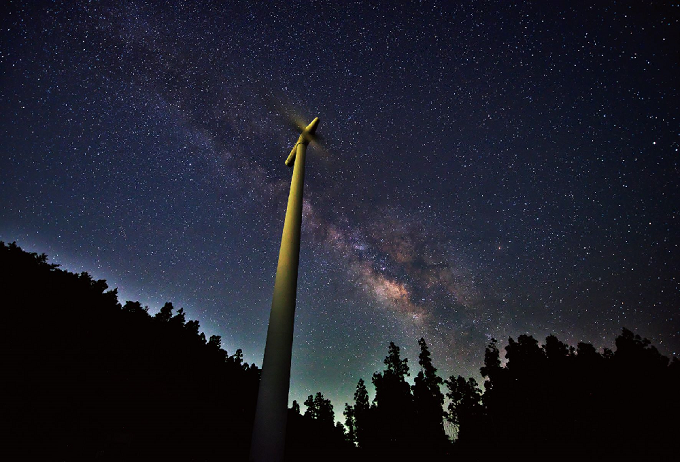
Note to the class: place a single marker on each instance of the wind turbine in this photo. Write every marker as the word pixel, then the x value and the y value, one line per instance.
pixel 269 430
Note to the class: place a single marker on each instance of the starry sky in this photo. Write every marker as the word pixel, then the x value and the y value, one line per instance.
pixel 488 168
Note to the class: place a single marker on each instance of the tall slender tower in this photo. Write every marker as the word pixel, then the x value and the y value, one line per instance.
pixel 269 431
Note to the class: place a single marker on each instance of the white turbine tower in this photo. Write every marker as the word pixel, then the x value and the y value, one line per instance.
pixel 269 430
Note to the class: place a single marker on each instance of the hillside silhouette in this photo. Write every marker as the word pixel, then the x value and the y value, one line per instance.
pixel 87 378
pixel 91 379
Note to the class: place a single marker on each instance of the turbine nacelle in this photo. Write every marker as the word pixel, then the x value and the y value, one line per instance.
pixel 307 135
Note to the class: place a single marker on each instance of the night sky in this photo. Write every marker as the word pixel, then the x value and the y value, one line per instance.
pixel 489 168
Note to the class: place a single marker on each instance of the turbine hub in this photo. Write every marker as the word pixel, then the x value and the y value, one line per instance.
pixel 306 136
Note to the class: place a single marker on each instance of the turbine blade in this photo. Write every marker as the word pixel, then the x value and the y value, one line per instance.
pixel 290 161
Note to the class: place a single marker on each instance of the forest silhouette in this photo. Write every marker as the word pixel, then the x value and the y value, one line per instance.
pixel 87 378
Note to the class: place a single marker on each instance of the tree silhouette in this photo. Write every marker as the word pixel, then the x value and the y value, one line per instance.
pixel 320 408
pixel 362 417
pixel 314 435
pixel 394 413
pixel 350 423
pixel 465 408
pixel 165 313
pixel 428 401
pixel 492 362
pixel 295 407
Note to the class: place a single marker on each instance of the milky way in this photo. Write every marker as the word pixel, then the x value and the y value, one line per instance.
pixel 488 168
